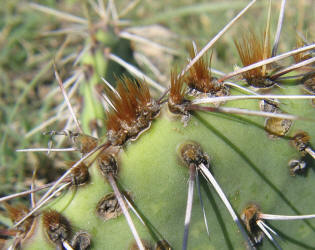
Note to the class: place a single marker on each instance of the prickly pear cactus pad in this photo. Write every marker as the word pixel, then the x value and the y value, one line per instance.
pixel 212 162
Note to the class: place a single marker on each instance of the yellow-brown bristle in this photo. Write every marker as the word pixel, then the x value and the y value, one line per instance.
pixel 301 140
pixel 56 226
pixel 17 213
pixel 177 90
pixel 199 77
pixel 251 50
pixel 82 142
pixel 133 110
pixel 250 216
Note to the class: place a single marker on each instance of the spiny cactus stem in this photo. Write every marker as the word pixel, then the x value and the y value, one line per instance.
pixel 310 152
pixel 124 209
pixel 239 87
pixel 247 97
pixel 279 28
pixel 264 228
pixel 190 196
pixel 50 193
pixel 42 203
pixel 46 150
pixel 201 203
pixel 269 228
pixel 267 61
pixel 293 67
pixel 33 190
pixel 266 39
pixel 66 245
pixel 110 86
pixel 140 39
pixel 244 112
pixel 67 99
pixel 213 41
pixel 133 70
pixel 285 217
pixel 206 173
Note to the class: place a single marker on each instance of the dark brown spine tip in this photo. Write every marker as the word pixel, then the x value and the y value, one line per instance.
pixel 133 111
pixel 191 153
pixel 56 226
pixel 250 216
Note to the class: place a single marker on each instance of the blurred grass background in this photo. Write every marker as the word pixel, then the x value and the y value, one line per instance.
pixel 29 93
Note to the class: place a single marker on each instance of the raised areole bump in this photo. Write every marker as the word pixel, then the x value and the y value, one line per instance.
pixel 250 216
pixel 108 207
pixel 79 175
pixel 191 153
pixel 16 213
pixel 275 127
pixel 297 167
pixel 57 227
pixel 81 240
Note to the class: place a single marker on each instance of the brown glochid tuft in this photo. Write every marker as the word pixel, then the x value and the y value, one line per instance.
pixel 177 101
pixel 251 50
pixel 80 174
pixel 56 226
pixel 107 163
pixel 250 216
pixel 132 112
pixel 301 141
pixel 16 213
pixel 199 77
pixel 192 153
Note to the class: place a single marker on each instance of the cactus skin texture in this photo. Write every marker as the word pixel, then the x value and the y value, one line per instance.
pixel 249 164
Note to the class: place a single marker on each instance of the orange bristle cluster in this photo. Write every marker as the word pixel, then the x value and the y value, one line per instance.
pixel 199 76
pixel 252 50
pixel 133 110
pixel 177 94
